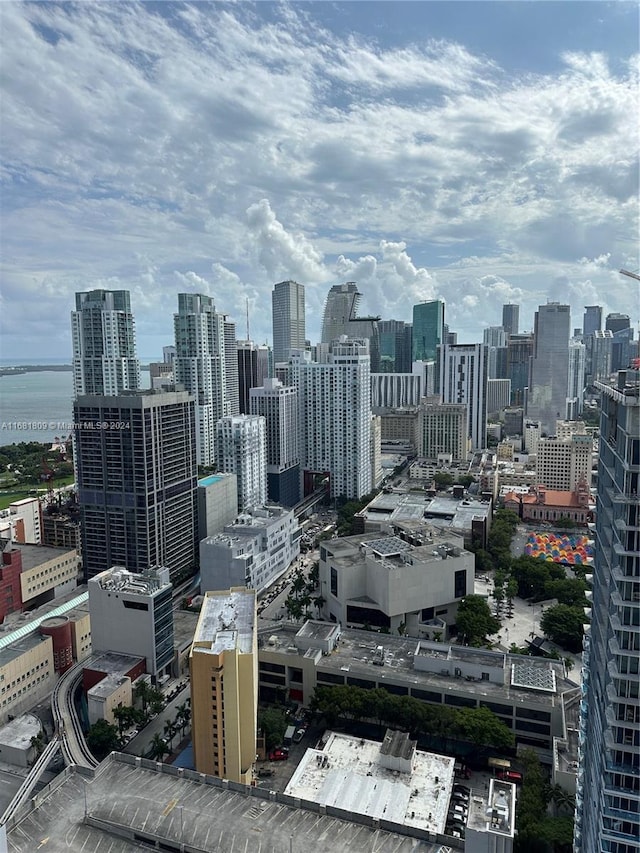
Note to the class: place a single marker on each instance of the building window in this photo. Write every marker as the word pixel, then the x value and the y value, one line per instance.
pixel 460 584
pixel 334 582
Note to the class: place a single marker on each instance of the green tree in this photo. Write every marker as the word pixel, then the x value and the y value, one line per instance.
pixel 142 691
pixel 465 480
pixel 293 608
pixel 124 717
pixel 272 722
pixel 319 602
pixel 102 739
pixel 569 591
pixel 159 747
pixel 563 625
pixel 474 620
pixel 183 717
pixel 442 480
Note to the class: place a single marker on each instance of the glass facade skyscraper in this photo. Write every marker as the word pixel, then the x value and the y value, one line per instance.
pixel 428 330
pixel 288 315
pixel 608 788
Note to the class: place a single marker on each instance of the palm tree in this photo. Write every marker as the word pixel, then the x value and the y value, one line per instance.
pixel 183 716
pixel 170 730
pixel 159 747
pixel 319 602
pixel 122 716
pixel 143 691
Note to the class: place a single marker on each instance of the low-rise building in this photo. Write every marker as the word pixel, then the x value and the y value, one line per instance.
pixel 542 504
pixel 527 694
pixel 26 521
pixel 253 551
pixel 132 614
pixel 112 692
pixel 47 573
pixel 16 740
pixel 387 582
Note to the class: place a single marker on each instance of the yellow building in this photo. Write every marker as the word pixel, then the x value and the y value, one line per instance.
pixel 223 662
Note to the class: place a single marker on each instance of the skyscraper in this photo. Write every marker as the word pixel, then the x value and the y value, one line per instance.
pixel 247 373
pixel 341 318
pixel 206 364
pixel 428 330
pixel 549 365
pixel 288 311
pixel 463 379
pixel 592 319
pixel 519 350
pixel 577 367
pixel 242 450
pixel 135 457
pixel 104 347
pixel 621 348
pixel 608 789
pixel 395 346
pixel 510 318
pixel 495 339
pixel 223 663
pixel 335 418
pixel 278 405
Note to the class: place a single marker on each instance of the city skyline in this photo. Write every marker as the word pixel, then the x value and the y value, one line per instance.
pixel 416 152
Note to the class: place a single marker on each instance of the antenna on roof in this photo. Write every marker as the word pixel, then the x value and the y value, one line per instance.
pixel 248 336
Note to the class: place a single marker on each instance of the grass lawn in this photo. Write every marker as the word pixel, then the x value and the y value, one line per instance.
pixel 28 490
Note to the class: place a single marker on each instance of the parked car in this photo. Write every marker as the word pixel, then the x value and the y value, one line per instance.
pixel 462 789
pixel 279 754
pixel 510 776
pixel 459 797
pixel 264 772
pixel 300 733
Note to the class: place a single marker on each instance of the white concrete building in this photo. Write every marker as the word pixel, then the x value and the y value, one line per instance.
pixel 26 521
pixel 562 463
pixel 252 551
pixel 532 434
pixel 386 582
pixel 577 371
pixel 104 346
pixel 278 405
pixel 217 503
pixel 242 450
pixel 463 379
pixel 335 417
pixel 206 364
pixel 132 614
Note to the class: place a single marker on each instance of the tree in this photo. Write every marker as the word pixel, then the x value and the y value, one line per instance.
pixel 171 729
pixel 102 739
pixel 142 691
pixel 442 480
pixel 293 608
pixel 272 722
pixel 183 717
pixel 562 624
pixel 159 747
pixel 319 602
pixel 474 620
pixel 123 715
pixel 569 591
pixel 37 744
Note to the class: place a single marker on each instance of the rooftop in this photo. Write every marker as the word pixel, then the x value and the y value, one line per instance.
pixel 439 511
pixel 18 732
pixel 352 778
pixel 153 800
pixel 111 663
pixel 318 630
pixel 209 481
pixel 20 625
pixel 497 813
pixel 106 687
pixel 36 555
pixel 119 579
pixel 227 621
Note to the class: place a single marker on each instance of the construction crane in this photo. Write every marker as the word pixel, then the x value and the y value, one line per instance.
pixel 630 274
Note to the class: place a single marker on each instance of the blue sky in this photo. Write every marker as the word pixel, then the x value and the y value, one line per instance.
pixel 477 152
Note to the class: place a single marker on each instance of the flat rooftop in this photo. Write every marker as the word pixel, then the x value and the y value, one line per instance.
pixel 354 656
pixel 227 621
pixel 111 663
pixel 36 555
pixel 497 812
pixel 18 732
pixel 178 808
pixel 352 778
pixel 314 630
pixel 210 480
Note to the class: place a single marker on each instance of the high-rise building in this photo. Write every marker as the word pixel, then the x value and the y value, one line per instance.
pixel 599 351
pixel 247 373
pixel 442 429
pixel 136 470
pixel 498 395
pixel 428 330
pixel 340 318
pixel 278 405
pixel 395 346
pixel 463 379
pixel 495 339
pixel 562 463
pixel 617 322
pixel 577 366
pixel 395 390
pixel 141 608
pixel 549 365
pixel 519 351
pixel 223 664
pixel 510 318
pixel 104 346
pixel 242 450
pixel 287 304
pixel 206 364
pixel 335 418
pixel 592 319
pixel 608 788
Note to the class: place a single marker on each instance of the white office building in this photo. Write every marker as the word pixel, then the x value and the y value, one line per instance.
pixel 278 405
pixel 335 417
pixel 253 551
pixel 563 462
pixel 206 364
pixel 386 582
pixel 577 368
pixel 132 614
pixel 288 310
pixel 463 379
pixel 242 450
pixel 104 346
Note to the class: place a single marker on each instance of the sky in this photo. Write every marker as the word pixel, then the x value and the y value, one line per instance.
pixel 477 152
